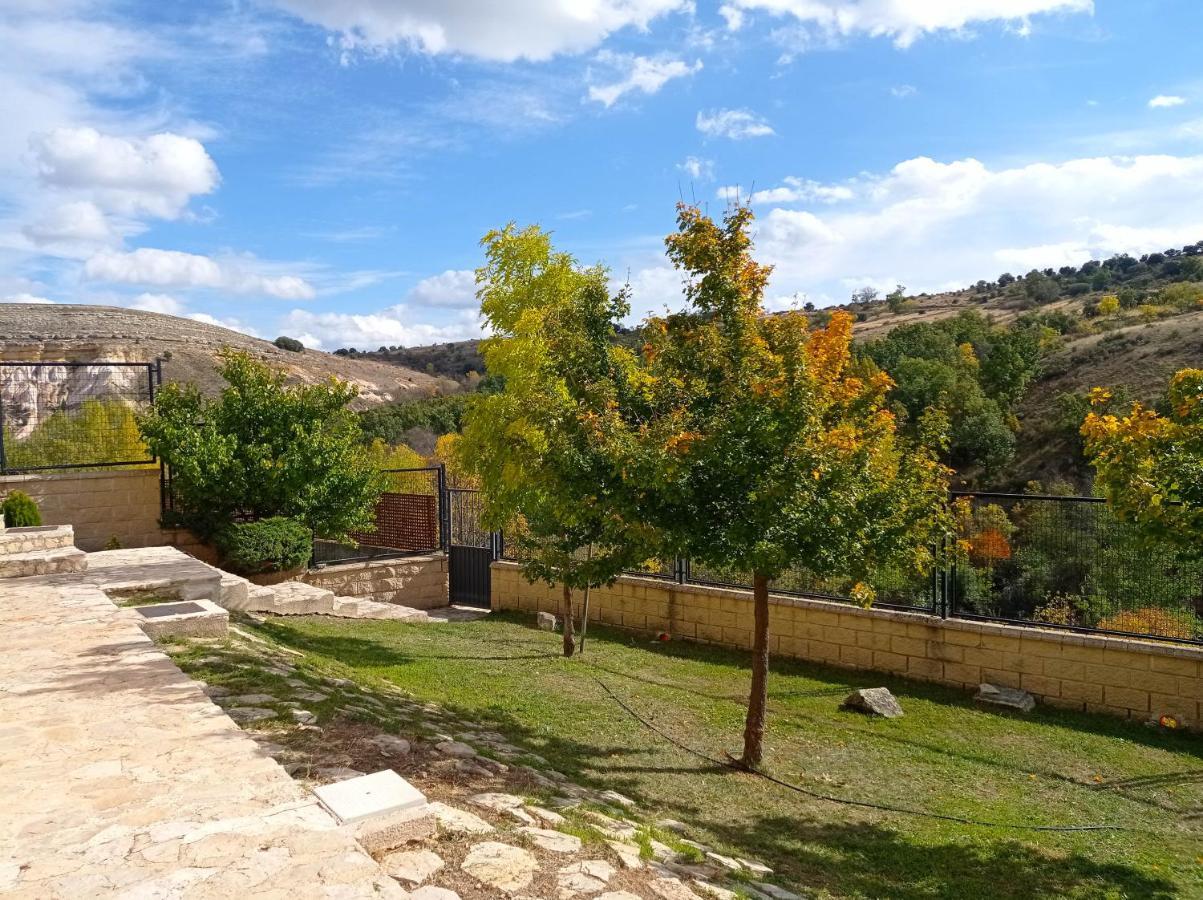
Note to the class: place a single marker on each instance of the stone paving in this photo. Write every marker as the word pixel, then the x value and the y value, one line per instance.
pixel 119 777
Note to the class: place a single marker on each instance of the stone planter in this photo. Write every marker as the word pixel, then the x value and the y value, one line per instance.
pixel 268 578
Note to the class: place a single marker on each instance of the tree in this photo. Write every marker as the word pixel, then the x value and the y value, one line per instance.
pixel 865 295
pixel 264 448
pixel 1108 305
pixel 1149 466
pixel 896 299
pixel 545 474
pixel 755 443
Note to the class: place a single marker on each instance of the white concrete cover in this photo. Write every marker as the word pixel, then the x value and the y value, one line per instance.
pixel 369 795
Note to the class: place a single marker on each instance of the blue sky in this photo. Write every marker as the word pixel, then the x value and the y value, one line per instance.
pixel 326 168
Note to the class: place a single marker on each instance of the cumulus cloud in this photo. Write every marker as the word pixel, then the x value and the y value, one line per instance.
pixel 25 298
pixel 481 28
pixel 173 268
pixel 151 176
pixel 736 124
pixel 930 224
pixel 77 223
pixel 160 303
pixel 792 190
pixel 394 326
pixel 638 73
pixel 454 288
pixel 904 22
pixel 1166 101
pixel 697 168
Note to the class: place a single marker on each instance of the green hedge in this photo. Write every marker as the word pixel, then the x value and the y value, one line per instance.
pixel 268 545
pixel 20 510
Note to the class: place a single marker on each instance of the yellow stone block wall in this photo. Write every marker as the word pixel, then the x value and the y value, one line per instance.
pixel 420 581
pixel 1133 678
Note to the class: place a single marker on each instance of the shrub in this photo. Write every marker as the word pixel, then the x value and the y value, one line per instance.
pixel 268 545
pixel 292 345
pixel 1151 620
pixel 20 510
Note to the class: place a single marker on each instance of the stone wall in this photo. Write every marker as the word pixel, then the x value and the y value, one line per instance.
pixel 1132 678
pixel 101 504
pixel 417 581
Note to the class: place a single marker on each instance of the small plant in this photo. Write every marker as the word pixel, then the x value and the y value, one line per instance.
pixel 292 345
pixel 113 543
pixel 268 545
pixel 20 510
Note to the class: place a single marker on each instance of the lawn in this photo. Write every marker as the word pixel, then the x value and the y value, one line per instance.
pixel 944 757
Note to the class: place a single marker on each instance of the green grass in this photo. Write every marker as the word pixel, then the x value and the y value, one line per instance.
pixel 945 756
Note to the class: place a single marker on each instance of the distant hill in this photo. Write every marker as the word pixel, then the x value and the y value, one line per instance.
pixel 54 332
pixel 1156 330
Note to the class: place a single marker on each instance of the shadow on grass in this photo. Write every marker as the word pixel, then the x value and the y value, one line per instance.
pixel 867 860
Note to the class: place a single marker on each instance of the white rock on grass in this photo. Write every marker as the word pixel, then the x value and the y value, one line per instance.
pixel 413 866
pixel 545 816
pixel 628 854
pixel 458 821
pixel 616 798
pixel 302 716
pixel 714 891
pixel 756 868
pixel 876 701
pixel 1010 698
pixel 501 866
pixel 775 891
pixel 455 748
pixel 553 841
pixel 727 862
pixel 587 877
pixel 672 889
pixel 250 714
pixel 508 804
pixel 430 892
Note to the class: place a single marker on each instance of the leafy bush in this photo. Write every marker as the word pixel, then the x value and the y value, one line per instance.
pixel 268 545
pixel 99 431
pixel 1155 621
pixel 292 345
pixel 264 448
pixel 20 510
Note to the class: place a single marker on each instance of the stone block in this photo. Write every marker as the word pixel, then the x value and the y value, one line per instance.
pixel 380 793
pixel 383 833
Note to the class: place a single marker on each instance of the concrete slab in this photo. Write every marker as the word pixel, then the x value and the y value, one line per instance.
pixel 377 794
pixel 191 618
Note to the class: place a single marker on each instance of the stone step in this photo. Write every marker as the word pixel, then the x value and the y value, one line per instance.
pixel 14 541
pixel 43 562
pixel 235 591
pixel 295 598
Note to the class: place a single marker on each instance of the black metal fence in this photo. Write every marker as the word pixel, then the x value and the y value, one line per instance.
pixel 74 415
pixel 410 520
pixel 1030 559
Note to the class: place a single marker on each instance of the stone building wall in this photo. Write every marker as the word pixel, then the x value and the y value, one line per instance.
pixel 1133 678
pixel 417 581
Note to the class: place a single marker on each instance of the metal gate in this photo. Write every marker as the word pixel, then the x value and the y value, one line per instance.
pixel 471 549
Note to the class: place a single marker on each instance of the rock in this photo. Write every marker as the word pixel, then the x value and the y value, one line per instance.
pixel 492 765
pixel 413 866
pixel 500 866
pixel 303 716
pixel 430 892
pixel 454 748
pixel 498 802
pixel 545 816
pixel 714 891
pixel 458 821
pixel 312 696
pixel 250 713
pixel 874 702
pixel 215 690
pixel 389 745
pixel 620 895
pixel 587 877
pixel 1011 698
pixel 727 862
pixel 247 699
pixel 628 854
pixel 611 828
pixel 671 889
pixel 336 773
pixel 756 868
pixel 672 825
pixel 661 851
pixel 549 839
pixel 546 621
pixel 616 798
pixel 775 891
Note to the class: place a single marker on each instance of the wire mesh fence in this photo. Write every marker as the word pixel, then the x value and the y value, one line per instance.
pixel 73 415
pixel 409 521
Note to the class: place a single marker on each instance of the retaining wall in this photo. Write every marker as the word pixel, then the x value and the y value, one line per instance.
pixel 102 504
pixel 417 581
pixel 1128 677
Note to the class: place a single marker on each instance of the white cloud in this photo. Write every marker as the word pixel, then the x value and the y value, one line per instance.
pixel 1165 101
pixel 638 73
pixel 902 91
pixel 930 224
pixel 485 29
pixel 393 326
pixel 454 288
pixel 905 21
pixel 78 223
pixel 232 324
pixel 25 298
pixel 154 176
pixel 173 268
pixel 160 303
pixel 735 124
pixel 792 190
pixel 697 168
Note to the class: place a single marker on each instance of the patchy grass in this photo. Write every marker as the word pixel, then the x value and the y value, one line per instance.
pixel 945 757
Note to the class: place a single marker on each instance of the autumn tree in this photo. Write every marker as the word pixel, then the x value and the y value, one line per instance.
pixel 1149 466
pixel 545 477
pixel 756 443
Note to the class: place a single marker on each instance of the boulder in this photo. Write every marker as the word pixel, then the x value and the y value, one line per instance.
pixel 874 702
pixel 1011 698
pixel 546 621
pixel 501 866
pixel 552 840
pixel 412 866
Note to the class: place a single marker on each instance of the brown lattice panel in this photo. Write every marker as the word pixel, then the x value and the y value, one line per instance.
pixel 404 522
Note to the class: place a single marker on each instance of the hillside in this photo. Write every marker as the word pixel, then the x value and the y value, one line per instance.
pixel 38 332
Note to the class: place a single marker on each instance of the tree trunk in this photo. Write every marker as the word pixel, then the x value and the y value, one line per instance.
pixel 566 618
pixel 758 698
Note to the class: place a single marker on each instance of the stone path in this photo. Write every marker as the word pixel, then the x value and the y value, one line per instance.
pixel 118 775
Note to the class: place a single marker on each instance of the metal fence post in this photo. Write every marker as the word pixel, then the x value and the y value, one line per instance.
pixel 3 458
pixel 444 508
